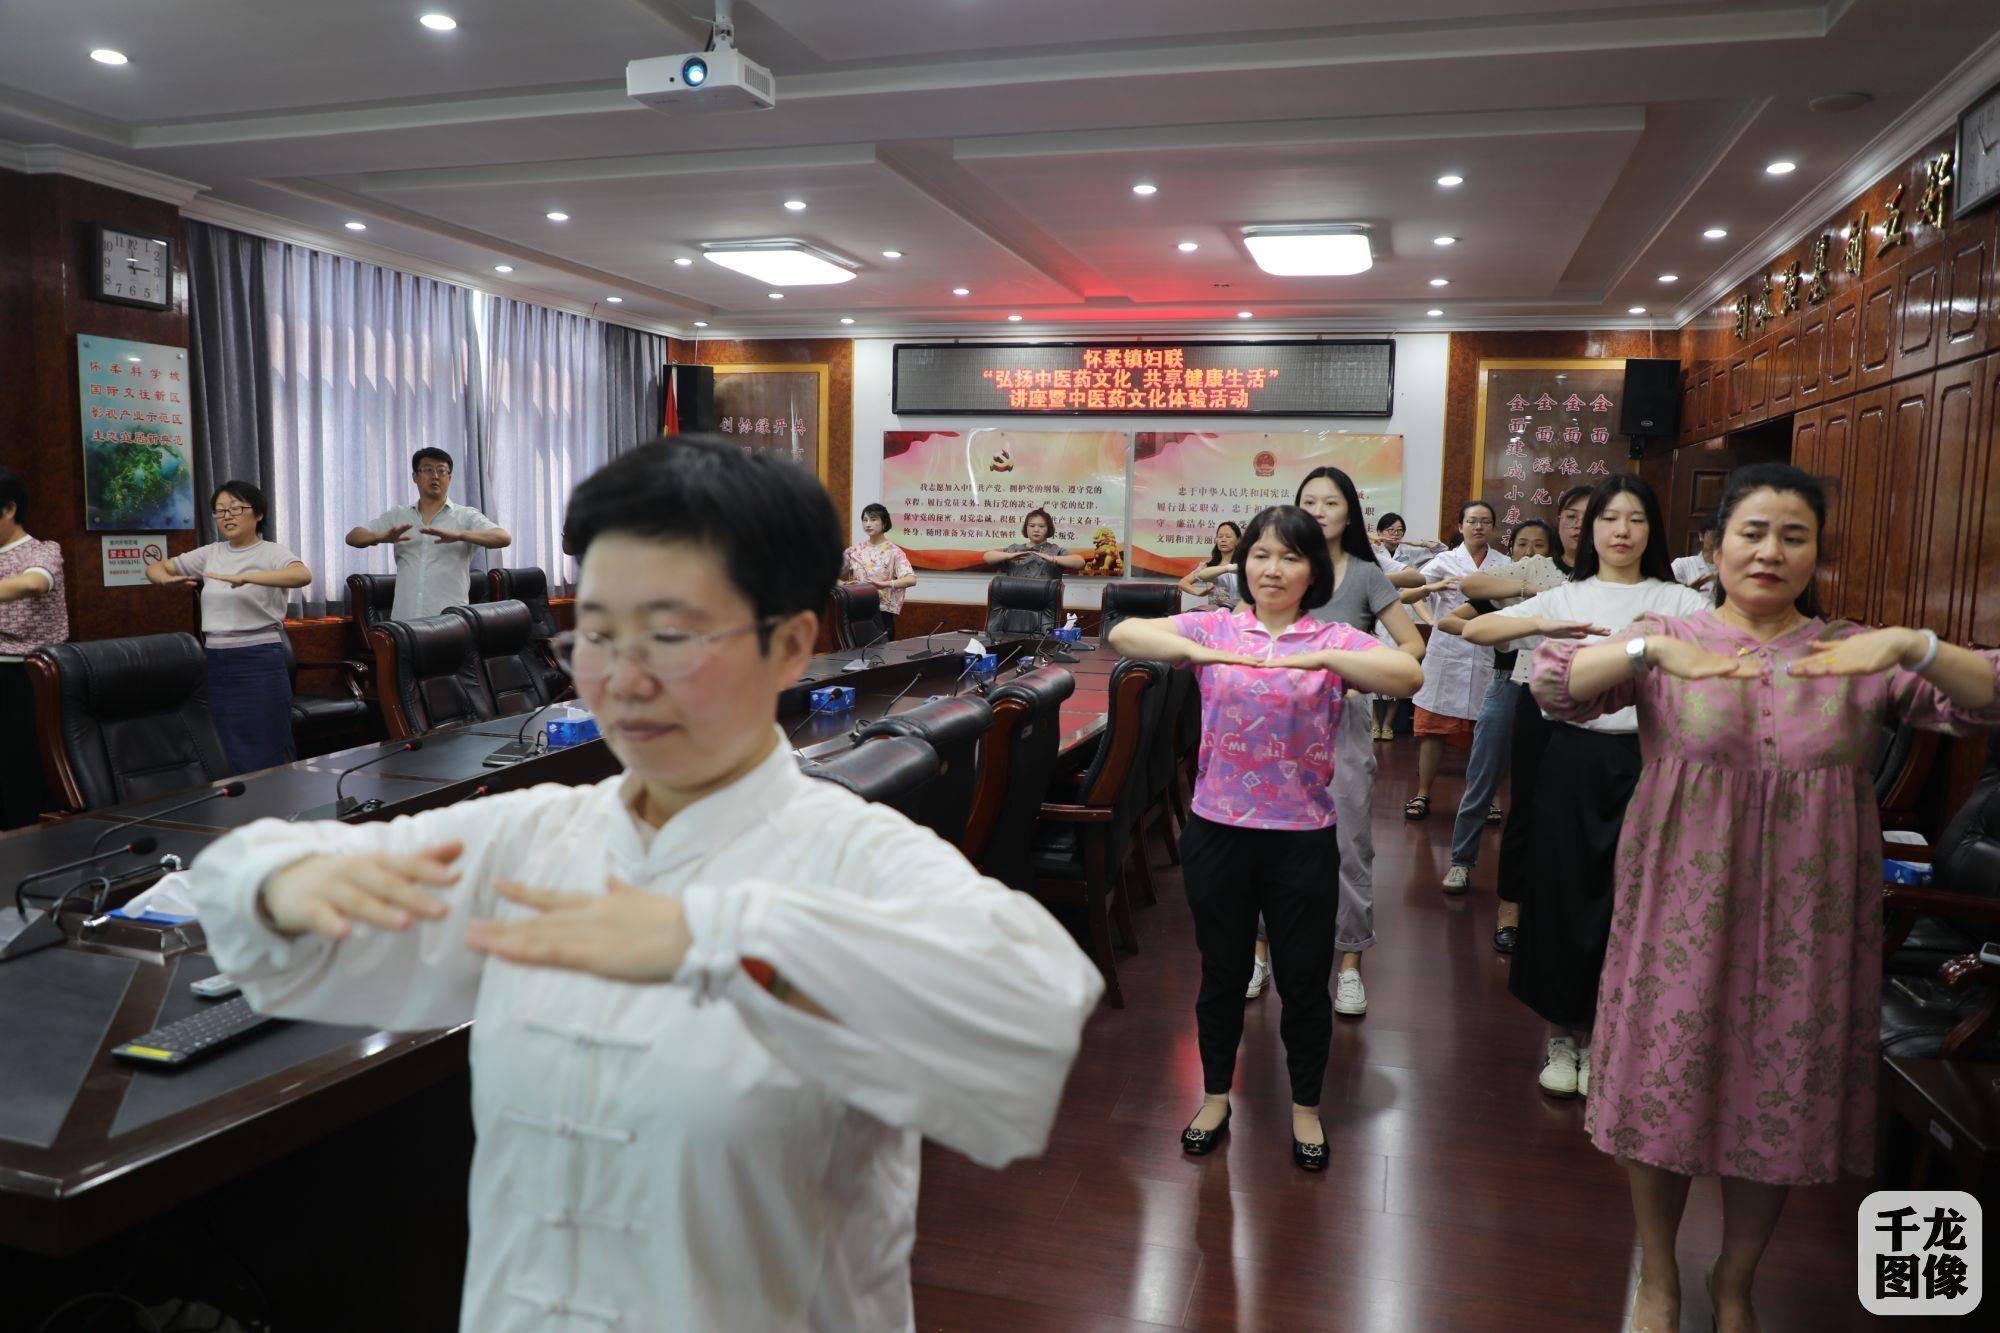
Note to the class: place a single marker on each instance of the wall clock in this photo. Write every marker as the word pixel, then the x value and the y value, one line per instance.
pixel 131 267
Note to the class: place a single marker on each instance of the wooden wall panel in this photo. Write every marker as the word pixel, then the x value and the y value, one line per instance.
pixel 838 355
pixel 1904 485
pixel 1757 381
pixel 1861 493
pixel 1782 397
pixel 1836 435
pixel 1941 552
pixel 1918 305
pixel 1875 338
pixel 1809 374
pixel 1967 310
pixel 1843 318
pixel 1976 609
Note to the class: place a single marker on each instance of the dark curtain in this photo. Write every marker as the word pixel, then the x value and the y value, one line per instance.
pixel 632 385
pixel 229 358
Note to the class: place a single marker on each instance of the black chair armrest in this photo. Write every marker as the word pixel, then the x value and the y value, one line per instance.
pixel 355 675
pixel 1940 902
pixel 1966 970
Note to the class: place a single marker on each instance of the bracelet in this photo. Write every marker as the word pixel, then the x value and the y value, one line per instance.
pixel 1930 651
pixel 1635 653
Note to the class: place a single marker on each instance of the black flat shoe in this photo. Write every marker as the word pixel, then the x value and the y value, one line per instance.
pixel 1505 938
pixel 1201 1142
pixel 1310 1156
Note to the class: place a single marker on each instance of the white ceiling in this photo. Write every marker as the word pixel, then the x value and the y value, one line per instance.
pixel 995 142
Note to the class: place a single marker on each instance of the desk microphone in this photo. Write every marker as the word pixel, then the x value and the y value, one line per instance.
pixel 928 652
pixel 344 805
pixel 860 663
pixel 22 934
pixel 519 748
pixel 997 666
pixel 856 733
pixel 226 790
pixel 793 734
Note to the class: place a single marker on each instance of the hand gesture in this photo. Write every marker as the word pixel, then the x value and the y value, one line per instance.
pixel 1216 657
pixel 1572 629
pixel 181 581
pixel 625 934
pixel 324 895
pixel 444 534
pixel 233 580
pixel 1298 662
pixel 395 534
pixel 1685 661
pixel 1857 655
pixel 1450 581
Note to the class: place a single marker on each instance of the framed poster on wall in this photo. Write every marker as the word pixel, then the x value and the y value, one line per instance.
pixel 1544 426
pixel 955 495
pixel 776 407
pixel 138 470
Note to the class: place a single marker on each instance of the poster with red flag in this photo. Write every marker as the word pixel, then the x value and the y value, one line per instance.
pixel 955 495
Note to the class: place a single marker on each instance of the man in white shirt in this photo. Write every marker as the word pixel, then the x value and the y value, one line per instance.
pixel 433 567
pixel 1698 571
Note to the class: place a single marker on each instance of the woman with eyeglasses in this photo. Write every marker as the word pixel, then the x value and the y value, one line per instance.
pixel 716 1004
pixel 243 580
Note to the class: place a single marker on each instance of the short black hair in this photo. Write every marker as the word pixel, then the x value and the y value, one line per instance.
pixel 1548 535
pixel 1570 496
pixel 1787 480
pixel 249 493
pixel 1390 520
pixel 1713 527
pixel 1043 515
pixel 881 512
pixel 13 491
pixel 1470 505
pixel 1656 561
pixel 773 523
pixel 1354 533
pixel 418 458
pixel 1299 531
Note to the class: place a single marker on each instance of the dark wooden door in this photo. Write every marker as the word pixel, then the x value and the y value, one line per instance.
pixel 1699 471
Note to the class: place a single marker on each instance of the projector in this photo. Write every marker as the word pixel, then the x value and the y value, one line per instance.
pixel 723 79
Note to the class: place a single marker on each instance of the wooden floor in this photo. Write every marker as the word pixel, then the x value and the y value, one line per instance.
pixel 1459 1196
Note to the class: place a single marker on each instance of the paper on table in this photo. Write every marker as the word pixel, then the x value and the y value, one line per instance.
pixel 167 902
pixel 974 648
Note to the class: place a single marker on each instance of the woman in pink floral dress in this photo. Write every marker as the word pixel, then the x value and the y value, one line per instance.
pixel 1740 999
pixel 880 563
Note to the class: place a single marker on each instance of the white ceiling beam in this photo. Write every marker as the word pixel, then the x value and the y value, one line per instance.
pixel 641 167
pixel 690 27
pixel 47 159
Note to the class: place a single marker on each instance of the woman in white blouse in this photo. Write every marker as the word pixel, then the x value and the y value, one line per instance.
pixel 717 1004
pixel 1456 671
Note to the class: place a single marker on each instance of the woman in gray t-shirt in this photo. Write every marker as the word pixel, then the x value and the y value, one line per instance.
pixel 243 580
pixel 1363 598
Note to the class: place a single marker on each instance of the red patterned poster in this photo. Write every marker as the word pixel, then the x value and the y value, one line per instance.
pixel 955 495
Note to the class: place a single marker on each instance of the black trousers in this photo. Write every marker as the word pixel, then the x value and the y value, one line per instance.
pixel 1293 879
pixel 889 623
pixel 1531 739
pixel 22 791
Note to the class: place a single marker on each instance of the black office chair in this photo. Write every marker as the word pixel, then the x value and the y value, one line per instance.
pixel 477 589
pixel 530 587
pixel 891 770
pixel 858 615
pixel 1022 606
pixel 503 635
pixel 1017 761
pixel 124 719
pixel 370 600
pixel 320 718
pixel 430 675
pixel 1147 601
pixel 952 727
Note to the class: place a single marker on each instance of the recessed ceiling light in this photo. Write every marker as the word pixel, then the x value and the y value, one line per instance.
pixel 357 226
pixel 780 263
pixel 1144 189
pixel 1834 102
pixel 1670 277
pixel 1781 168
pixel 777 296
pixel 846 319
pixel 683 261
pixel 1433 313
pixel 503 268
pixel 1440 282
pixel 1326 250
pixel 1444 240
pixel 1449 181
pixel 1635 310
pixel 1715 233
pixel 1013 319
pixel 104 55
pixel 1245 314
pixel 615 300
pixel 439 22
pixel 961 291
pixel 1188 247
pixel 701 323
pixel 892 254
pixel 557 217
pixel 796 205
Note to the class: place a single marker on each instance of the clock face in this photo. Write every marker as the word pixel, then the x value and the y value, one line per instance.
pixel 132 268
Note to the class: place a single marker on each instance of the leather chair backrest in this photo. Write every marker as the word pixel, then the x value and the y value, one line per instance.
pixel 952 727
pixel 890 770
pixel 1968 851
pixel 1162 752
pixel 370 599
pixel 858 619
pixel 503 634
pixel 529 586
pixel 1022 606
pixel 430 675
pixel 478 588
pixel 1017 761
pixel 133 718
pixel 1147 601
pixel 1119 774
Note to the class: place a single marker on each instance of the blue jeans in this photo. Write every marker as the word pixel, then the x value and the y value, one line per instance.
pixel 250 700
pixel 1492 739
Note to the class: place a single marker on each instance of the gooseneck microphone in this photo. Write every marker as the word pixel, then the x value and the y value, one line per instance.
pixel 343 804
pixel 928 651
pixel 21 934
pixel 860 662
pixel 228 790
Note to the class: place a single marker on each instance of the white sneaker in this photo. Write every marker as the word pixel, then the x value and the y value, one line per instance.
pixel 1455 878
pixel 1583 1071
pixel 1260 977
pixel 1559 1071
pixel 1351 997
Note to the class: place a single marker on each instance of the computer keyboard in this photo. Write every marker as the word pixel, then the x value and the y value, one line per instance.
pixel 191 1038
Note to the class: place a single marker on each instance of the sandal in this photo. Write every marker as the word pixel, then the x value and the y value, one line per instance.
pixel 1418 807
pixel 1494 814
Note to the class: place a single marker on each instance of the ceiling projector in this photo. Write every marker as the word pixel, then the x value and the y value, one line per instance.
pixel 722 79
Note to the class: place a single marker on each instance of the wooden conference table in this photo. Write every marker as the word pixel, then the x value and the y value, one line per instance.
pixel 90 1147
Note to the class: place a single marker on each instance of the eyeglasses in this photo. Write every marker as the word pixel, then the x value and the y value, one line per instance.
pixel 231 511
pixel 1477 523
pixel 434 472
pixel 663 654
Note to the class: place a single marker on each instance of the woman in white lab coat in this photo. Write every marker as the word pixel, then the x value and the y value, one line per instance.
pixel 717 1003
pixel 1456 673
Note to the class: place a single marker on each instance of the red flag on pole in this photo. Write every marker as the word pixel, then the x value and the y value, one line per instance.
pixel 670 414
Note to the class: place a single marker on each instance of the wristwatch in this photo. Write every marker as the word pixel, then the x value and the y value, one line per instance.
pixel 1635 653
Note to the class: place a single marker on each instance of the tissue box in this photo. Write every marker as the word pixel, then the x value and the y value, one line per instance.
pixel 564 732
pixel 983 665
pixel 1068 635
pixel 832 698
pixel 1905 872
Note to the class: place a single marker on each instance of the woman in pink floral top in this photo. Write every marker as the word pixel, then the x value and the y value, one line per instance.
pixel 1262 833
pixel 880 562
pixel 32 613
pixel 1741 993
